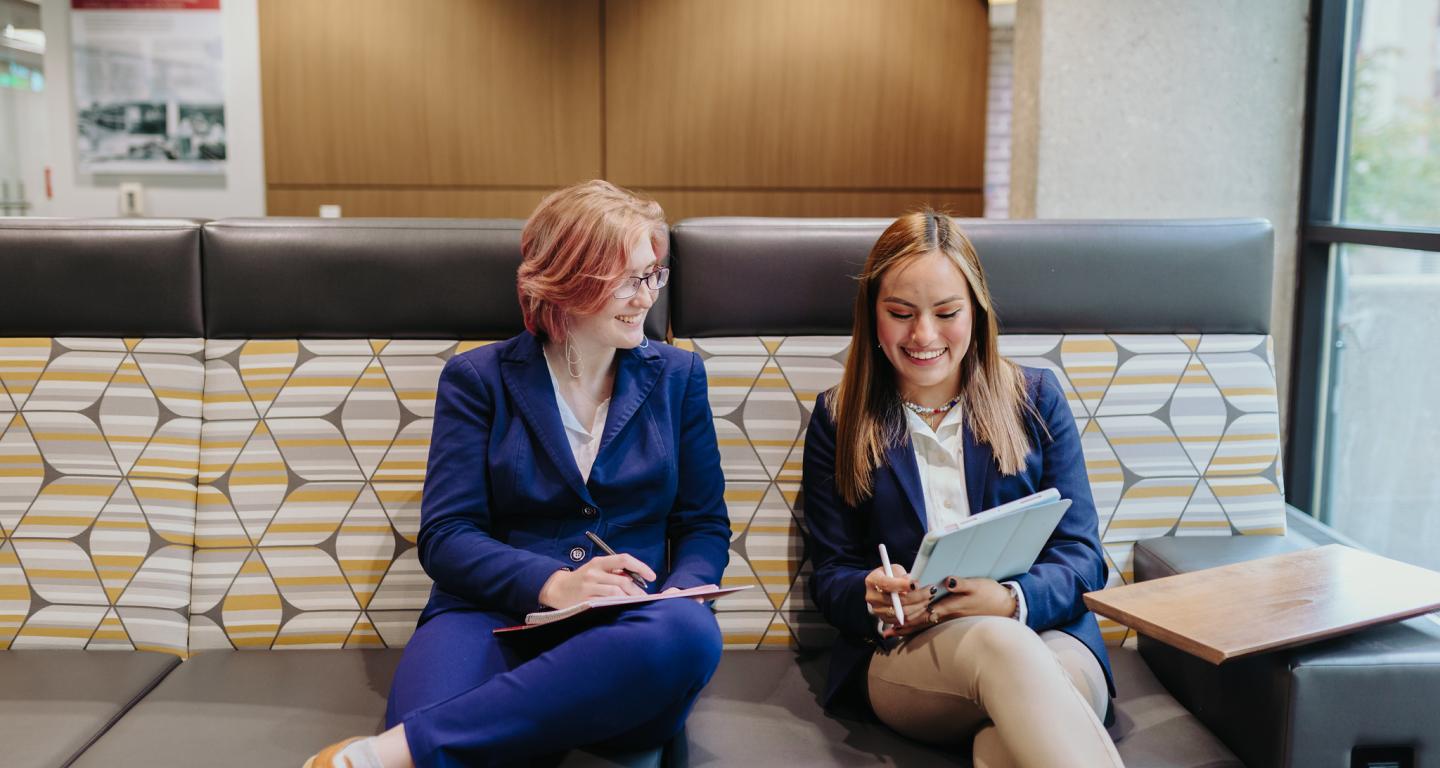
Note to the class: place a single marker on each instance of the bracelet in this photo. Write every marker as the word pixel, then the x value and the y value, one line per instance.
pixel 1013 590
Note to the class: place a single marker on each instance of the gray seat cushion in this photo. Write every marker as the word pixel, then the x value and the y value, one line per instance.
pixel 1170 555
pixel 277 708
pixel 762 709
pixel 249 708
pixel 1152 729
pixel 54 703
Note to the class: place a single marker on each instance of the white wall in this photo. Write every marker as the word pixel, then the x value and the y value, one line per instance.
pixel 240 192
pixel 1164 108
pixel 22 131
pixel 997 111
pixel 22 140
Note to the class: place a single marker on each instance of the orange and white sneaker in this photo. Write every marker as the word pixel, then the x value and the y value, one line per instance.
pixel 330 756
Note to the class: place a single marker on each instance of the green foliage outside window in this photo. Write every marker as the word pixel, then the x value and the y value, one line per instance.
pixel 1393 174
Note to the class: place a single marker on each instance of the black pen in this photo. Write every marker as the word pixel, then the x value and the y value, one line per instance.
pixel 635 577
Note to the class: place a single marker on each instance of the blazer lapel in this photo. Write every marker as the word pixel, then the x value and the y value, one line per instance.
pixel 901 460
pixel 528 383
pixel 979 460
pixel 635 375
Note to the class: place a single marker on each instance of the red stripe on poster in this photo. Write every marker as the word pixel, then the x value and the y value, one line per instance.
pixel 145 5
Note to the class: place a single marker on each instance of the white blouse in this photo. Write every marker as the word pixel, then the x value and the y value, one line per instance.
pixel 940 457
pixel 584 442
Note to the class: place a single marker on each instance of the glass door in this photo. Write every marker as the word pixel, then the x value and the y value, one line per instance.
pixel 22 109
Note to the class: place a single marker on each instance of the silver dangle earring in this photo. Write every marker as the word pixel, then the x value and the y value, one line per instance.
pixel 572 360
pixel 572 357
pixel 644 342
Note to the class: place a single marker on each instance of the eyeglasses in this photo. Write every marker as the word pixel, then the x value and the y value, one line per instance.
pixel 629 286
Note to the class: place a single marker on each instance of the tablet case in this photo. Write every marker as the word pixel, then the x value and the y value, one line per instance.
pixel 998 543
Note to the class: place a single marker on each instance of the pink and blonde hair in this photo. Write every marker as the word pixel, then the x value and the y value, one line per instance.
pixel 575 245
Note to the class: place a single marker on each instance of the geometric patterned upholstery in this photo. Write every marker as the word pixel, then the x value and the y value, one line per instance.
pixel 312 460
pixel 1180 433
pixel 287 517
pixel 762 391
pixel 99 453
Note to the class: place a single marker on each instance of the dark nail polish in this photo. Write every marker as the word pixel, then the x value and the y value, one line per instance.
pixel 951 583
pixel 914 586
pixel 933 590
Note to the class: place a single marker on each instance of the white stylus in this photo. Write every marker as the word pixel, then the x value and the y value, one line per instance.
pixel 894 596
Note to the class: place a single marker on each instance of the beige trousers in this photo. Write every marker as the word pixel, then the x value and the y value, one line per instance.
pixel 1028 699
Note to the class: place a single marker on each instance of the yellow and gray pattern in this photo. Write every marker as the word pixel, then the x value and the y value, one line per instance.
pixel 762 392
pixel 312 460
pixel 1180 435
pixel 99 456
pixel 287 517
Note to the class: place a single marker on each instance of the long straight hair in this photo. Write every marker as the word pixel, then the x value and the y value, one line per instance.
pixel 866 404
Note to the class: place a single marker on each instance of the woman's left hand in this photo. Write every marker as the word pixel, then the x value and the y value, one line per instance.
pixel 677 589
pixel 968 597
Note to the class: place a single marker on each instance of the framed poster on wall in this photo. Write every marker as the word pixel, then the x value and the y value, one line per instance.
pixel 149 86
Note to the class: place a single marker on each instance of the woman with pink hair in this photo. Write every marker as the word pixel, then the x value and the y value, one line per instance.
pixel 579 425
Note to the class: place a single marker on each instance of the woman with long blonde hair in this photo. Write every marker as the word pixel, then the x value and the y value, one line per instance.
pixel 928 426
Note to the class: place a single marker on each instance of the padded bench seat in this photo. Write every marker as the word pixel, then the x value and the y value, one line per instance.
pixel 53 703
pixel 762 708
pixel 268 301
pixel 247 708
pixel 250 708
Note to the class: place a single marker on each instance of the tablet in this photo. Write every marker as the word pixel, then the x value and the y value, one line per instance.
pixel 999 543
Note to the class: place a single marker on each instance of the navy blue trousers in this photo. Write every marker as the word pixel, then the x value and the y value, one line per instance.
pixel 468 698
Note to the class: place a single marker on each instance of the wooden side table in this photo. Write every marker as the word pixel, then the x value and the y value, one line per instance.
pixel 1274 602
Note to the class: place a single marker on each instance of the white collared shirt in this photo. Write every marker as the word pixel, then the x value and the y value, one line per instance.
pixel 940 457
pixel 584 443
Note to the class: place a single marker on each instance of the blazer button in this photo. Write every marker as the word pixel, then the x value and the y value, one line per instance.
pixel 577 554
pixel 589 511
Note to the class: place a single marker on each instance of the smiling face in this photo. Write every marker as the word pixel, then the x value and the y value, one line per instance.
pixel 620 324
pixel 923 322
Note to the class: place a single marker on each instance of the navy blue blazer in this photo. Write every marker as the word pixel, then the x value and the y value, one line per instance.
pixel 505 507
pixel 844 540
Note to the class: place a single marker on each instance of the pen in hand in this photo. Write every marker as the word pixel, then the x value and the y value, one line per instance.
pixel 635 577
pixel 894 596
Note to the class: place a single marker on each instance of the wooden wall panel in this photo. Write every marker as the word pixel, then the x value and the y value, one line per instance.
pixel 477 108
pixel 797 94
pixel 681 204
pixel 472 92
pixel 418 203
pixel 518 203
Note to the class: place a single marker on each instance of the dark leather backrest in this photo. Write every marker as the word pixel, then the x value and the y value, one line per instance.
pixel 100 277
pixel 367 278
pixel 758 276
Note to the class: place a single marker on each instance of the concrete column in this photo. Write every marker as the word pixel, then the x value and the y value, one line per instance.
pixel 1164 108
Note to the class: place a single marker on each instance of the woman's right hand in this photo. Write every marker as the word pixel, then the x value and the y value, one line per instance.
pixel 879 587
pixel 601 577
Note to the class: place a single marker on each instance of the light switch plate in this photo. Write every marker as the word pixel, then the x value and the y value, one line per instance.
pixel 132 199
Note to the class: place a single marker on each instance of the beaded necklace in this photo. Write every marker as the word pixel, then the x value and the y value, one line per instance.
pixel 923 412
